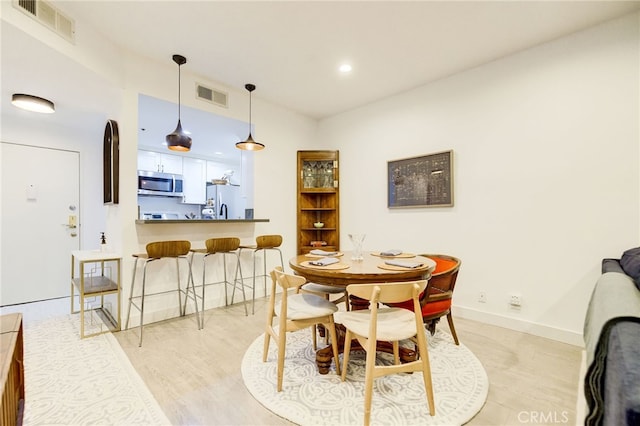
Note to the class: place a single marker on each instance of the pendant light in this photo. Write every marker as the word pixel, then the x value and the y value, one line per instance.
pixel 250 144
pixel 179 140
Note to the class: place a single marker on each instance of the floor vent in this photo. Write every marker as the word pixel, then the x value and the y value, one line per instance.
pixel 211 95
pixel 45 13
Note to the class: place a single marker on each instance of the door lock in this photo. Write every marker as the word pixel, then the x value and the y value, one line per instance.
pixel 72 223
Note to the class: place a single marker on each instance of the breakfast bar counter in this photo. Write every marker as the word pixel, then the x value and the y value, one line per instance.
pixel 167 221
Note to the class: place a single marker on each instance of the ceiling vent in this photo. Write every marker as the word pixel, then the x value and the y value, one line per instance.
pixel 45 13
pixel 216 97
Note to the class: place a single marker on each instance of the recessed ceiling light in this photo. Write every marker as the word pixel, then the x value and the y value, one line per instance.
pixel 345 68
pixel 32 103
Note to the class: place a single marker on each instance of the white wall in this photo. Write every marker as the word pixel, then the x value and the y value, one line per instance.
pixel 37 131
pixel 546 148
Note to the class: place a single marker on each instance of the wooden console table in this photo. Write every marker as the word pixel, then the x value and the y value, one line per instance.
pixel 99 275
pixel 11 369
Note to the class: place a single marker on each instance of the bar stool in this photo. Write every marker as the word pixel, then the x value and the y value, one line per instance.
pixel 224 246
pixel 263 243
pixel 156 251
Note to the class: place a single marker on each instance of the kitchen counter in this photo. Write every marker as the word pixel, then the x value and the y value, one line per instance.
pixel 218 221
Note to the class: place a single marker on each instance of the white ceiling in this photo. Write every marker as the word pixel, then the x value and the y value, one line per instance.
pixel 291 49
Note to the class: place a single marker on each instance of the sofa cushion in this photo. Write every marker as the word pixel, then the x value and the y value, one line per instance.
pixel 630 262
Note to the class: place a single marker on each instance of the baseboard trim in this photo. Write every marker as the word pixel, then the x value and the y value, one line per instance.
pixel 565 336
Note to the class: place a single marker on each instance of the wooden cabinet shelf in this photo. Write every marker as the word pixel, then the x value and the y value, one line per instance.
pixel 318 200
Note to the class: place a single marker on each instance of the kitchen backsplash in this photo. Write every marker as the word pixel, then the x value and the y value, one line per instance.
pixel 169 205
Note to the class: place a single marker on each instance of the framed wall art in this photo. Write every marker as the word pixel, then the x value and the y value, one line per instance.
pixel 425 181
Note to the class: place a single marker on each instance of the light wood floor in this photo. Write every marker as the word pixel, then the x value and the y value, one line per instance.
pixel 195 375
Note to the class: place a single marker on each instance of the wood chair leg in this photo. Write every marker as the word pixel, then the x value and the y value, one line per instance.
pixel 345 354
pixel 314 337
pixel 282 340
pixel 334 344
pixel 267 338
pixel 426 371
pixel 368 379
pixel 396 353
pixel 452 328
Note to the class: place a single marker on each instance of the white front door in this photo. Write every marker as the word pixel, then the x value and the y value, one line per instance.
pixel 40 203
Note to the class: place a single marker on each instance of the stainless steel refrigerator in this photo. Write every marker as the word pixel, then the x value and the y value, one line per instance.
pixel 228 201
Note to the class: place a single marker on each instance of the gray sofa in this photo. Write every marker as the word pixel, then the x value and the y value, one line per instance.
pixel 612 344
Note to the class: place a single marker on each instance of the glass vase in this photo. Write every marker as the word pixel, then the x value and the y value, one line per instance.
pixel 357 240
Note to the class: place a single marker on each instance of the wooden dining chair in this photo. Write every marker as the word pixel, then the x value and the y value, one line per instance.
pixel 296 311
pixel 388 324
pixel 435 302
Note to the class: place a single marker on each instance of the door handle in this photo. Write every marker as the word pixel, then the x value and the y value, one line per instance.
pixel 69 226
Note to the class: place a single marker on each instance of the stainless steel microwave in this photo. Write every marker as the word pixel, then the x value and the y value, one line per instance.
pixel 159 184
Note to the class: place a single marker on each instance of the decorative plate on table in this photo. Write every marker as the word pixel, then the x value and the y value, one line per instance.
pixel 334 266
pixel 338 254
pixel 398 256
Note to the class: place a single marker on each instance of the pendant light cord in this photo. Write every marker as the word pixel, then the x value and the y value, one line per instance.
pixel 179 66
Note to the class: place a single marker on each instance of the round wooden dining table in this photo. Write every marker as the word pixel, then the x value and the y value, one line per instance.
pixel 373 268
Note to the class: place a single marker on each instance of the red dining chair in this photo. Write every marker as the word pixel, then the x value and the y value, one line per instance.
pixel 435 301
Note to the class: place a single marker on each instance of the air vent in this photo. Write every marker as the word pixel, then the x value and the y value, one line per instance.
pixel 211 95
pixel 47 14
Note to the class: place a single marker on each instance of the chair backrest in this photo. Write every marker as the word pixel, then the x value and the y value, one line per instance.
pixel 443 279
pixel 388 292
pixel 216 245
pixel 268 241
pixel 159 249
pixel 286 281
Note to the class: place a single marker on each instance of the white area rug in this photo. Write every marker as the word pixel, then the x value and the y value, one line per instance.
pixel 69 381
pixel 460 386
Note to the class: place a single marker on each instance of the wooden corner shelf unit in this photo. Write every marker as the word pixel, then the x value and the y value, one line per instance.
pixel 318 201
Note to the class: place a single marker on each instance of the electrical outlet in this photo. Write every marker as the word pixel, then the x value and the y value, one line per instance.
pixel 482 297
pixel 515 300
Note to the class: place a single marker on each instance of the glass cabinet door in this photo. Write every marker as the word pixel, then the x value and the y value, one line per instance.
pixel 318 174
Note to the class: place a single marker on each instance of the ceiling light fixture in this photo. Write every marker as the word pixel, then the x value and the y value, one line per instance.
pixel 345 68
pixel 33 103
pixel 179 140
pixel 250 144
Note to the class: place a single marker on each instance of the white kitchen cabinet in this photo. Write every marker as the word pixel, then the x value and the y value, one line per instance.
pixel 158 162
pixel 216 170
pixel 194 184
